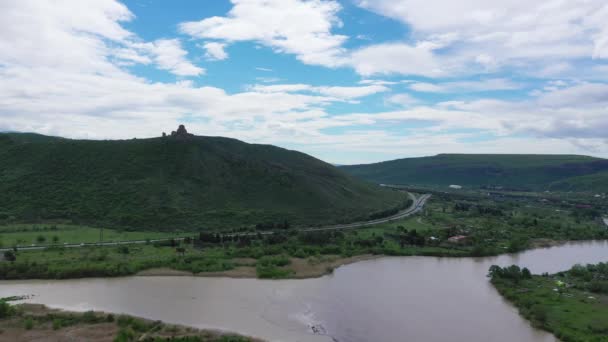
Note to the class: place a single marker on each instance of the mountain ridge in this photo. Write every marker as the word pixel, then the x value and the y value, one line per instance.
pixel 515 171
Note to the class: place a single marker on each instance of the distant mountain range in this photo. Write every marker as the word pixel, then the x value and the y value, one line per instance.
pixel 179 181
pixel 510 171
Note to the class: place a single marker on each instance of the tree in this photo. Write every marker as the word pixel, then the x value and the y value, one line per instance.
pixel 10 256
pixel 495 272
pixel 181 251
pixel 55 239
pixel 40 238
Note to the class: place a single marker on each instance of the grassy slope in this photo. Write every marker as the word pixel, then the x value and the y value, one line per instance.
pixel 171 183
pixel 535 172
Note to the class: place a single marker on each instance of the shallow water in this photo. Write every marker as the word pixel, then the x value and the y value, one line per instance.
pixel 388 299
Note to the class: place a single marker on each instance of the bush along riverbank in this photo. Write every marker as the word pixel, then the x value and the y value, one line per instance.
pixel 28 322
pixel 573 305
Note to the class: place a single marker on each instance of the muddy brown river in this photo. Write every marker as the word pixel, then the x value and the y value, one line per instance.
pixel 389 299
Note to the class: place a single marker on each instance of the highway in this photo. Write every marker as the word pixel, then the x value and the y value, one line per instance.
pixel 417 205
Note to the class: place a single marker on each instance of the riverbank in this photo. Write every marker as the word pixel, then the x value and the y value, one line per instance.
pixel 297 268
pixel 274 263
pixel 573 305
pixel 35 322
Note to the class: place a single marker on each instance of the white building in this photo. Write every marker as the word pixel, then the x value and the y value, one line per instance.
pixel 454 186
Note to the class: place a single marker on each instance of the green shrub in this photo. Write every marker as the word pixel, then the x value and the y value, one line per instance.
pixel 125 335
pixel 29 323
pixel 274 260
pixel 271 272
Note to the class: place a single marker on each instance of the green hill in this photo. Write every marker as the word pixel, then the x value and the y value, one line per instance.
pixel 597 182
pixel 176 183
pixel 521 172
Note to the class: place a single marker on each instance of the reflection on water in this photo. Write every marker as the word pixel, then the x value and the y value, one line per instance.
pixel 389 299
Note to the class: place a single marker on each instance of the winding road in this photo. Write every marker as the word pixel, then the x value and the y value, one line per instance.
pixel 417 205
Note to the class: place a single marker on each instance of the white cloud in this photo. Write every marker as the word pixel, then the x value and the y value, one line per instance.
pixel 215 51
pixel 169 55
pixel 585 94
pixel 268 79
pixel 404 100
pixel 296 27
pixel 377 82
pixel 426 87
pixel 351 92
pixel 503 33
pixel 397 58
pixel 330 91
pixel 81 36
pixel 465 86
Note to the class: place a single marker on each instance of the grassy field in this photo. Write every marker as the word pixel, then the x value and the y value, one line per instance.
pixel 563 304
pixel 58 234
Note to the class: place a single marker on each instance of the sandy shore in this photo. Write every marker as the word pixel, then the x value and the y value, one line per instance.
pixel 300 268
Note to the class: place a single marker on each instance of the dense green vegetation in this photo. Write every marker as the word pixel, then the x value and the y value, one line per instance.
pixel 573 305
pixel 171 183
pixel 489 225
pixel 521 172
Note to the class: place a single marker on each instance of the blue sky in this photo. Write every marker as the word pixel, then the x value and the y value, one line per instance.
pixel 349 81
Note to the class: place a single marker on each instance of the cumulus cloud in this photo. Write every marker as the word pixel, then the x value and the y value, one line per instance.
pixel 74 81
pixel 492 34
pixel 298 27
pixel 39 34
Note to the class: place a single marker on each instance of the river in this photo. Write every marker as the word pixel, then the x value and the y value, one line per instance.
pixel 388 299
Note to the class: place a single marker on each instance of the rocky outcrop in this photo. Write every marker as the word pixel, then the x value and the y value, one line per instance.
pixel 181 133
